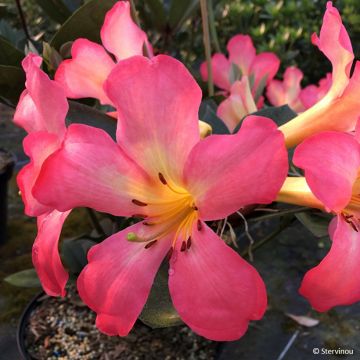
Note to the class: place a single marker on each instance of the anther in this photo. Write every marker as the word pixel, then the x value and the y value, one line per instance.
pixel 146 223
pixel 162 179
pixel 140 216
pixel 138 202
pixel 183 246
pixel 188 243
pixel 151 243
pixel 169 254
pixel 199 225
pixel 195 208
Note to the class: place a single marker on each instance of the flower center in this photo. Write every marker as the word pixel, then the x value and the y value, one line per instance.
pixel 173 213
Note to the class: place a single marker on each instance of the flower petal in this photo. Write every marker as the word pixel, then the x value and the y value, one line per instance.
pixel 158 103
pixel 226 172
pixel 335 43
pixel 90 170
pixel 43 105
pixel 118 278
pixel 265 66
pixel 38 146
pixel 214 290
pixel 241 52
pixel 120 35
pixel 221 71
pixel 84 75
pixel 334 281
pixel 331 161
pixel 45 253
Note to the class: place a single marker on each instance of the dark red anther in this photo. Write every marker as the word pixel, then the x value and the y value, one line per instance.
pixel 353 226
pixel 146 223
pixel 199 225
pixel 162 179
pixel 140 216
pixel 169 254
pixel 188 243
pixel 195 208
pixel 149 244
pixel 138 202
pixel 183 246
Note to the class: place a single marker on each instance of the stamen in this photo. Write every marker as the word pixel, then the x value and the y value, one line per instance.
pixel 169 254
pixel 162 179
pixel 195 208
pixel 183 246
pixel 146 223
pixel 347 218
pixel 131 236
pixel 140 216
pixel 199 225
pixel 138 202
pixel 188 243
pixel 151 243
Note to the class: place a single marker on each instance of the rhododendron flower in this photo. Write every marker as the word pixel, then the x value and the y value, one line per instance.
pixel 161 171
pixel 331 161
pixel 41 112
pixel 259 68
pixel 84 75
pixel 311 94
pixel 239 104
pixel 340 108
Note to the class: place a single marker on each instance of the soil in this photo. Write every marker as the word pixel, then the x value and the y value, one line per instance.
pixel 64 329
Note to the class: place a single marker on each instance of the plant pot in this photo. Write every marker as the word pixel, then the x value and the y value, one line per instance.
pixel 142 342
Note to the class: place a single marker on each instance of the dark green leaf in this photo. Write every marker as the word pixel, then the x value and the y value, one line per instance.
pixel 159 311
pixel 207 113
pixel 12 82
pixel 13 35
pixel 316 223
pixel 83 114
pixel 85 22
pixel 26 278
pixel 9 54
pixel 55 9
pixel 157 14
pixel 180 11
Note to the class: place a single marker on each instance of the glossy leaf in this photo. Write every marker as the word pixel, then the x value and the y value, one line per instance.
pixel 207 113
pixel 12 82
pixel 26 278
pixel 157 14
pixel 9 54
pixel 85 22
pixel 316 223
pixel 55 9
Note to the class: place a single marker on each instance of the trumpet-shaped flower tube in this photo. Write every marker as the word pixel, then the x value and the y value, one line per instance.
pixel 340 108
pixel 85 73
pixel 161 170
pixel 331 161
pixel 41 112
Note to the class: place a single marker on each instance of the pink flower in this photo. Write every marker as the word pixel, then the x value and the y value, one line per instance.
pixel 260 68
pixel 311 94
pixel 239 104
pixel 41 112
pixel 331 161
pixel 339 109
pixel 84 75
pixel 160 170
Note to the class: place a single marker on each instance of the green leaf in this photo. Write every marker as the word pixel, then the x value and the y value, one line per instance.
pixel 316 223
pixel 159 311
pixel 180 11
pixel 9 54
pixel 85 22
pixel 207 113
pixel 157 14
pixel 55 9
pixel 83 114
pixel 26 278
pixel 74 253
pixel 12 82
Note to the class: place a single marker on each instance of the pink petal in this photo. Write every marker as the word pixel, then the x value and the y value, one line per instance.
pixel 335 280
pixel 214 290
pixel 335 43
pixel 221 67
pixel 45 253
pixel 309 96
pixel 84 75
pixel 331 161
pixel 120 35
pixel 239 104
pixel 43 105
pixel 226 172
pixel 265 66
pixel 117 280
pixel 38 146
pixel 241 52
pixel 90 170
pixel 158 103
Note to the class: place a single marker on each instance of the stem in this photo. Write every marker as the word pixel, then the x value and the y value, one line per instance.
pixel 206 39
pixel 137 22
pixel 23 21
pixel 280 213
pixel 95 222
pixel 213 31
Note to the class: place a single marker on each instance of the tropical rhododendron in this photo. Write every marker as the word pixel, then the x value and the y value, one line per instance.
pixel 161 171
pixel 242 60
pixel 331 161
